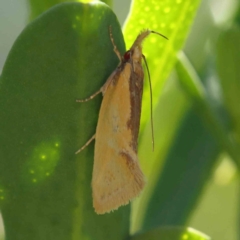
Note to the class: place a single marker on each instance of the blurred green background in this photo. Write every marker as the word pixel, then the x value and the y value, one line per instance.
pixel 217 210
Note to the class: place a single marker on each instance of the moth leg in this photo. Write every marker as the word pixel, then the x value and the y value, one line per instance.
pixel 114 45
pixel 91 97
pixel 86 144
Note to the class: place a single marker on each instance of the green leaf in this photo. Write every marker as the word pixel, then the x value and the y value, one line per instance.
pixel 186 169
pixel 45 190
pixel 171 233
pixel 195 90
pixel 173 19
pixel 228 58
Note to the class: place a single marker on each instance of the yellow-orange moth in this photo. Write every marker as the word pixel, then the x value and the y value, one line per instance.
pixel 117 177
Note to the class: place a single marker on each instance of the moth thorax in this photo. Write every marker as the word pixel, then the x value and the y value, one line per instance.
pixel 137 54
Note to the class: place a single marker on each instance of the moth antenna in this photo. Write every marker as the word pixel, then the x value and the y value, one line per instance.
pixel 114 45
pixel 159 34
pixel 140 38
pixel 143 34
pixel 151 104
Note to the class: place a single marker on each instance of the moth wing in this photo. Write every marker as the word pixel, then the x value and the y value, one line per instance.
pixel 117 177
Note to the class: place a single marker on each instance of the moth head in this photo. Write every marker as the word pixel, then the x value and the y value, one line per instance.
pixel 135 52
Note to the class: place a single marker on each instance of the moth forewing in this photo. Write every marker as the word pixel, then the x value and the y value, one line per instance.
pixel 117 177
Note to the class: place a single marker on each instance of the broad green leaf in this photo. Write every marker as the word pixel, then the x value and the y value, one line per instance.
pixel 45 189
pixel 171 233
pixel 173 19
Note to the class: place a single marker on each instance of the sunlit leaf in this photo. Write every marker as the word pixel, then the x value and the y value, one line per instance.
pixel 172 18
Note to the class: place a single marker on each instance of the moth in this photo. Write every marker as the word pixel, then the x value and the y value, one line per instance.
pixel 117 177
